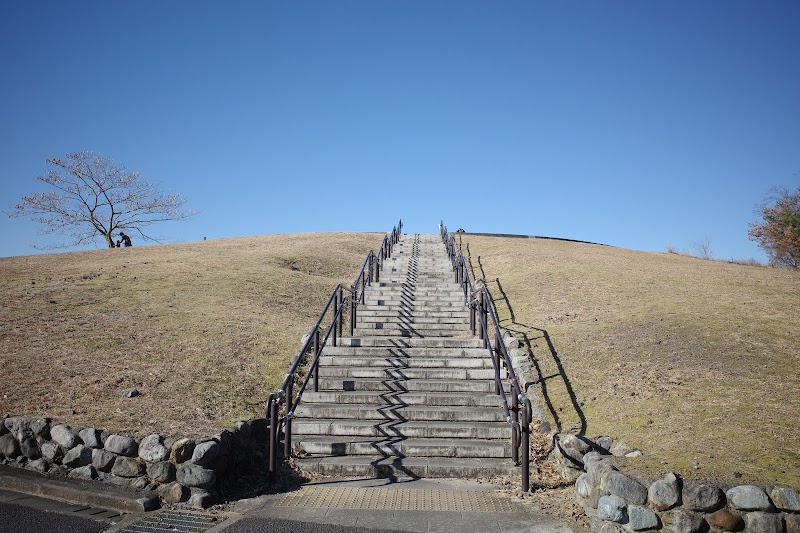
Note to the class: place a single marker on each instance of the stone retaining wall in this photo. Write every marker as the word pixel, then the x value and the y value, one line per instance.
pixel 174 470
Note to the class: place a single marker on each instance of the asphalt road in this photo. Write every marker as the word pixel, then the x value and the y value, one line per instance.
pixel 24 519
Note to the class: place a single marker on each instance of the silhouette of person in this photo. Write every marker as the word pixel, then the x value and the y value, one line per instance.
pixel 124 239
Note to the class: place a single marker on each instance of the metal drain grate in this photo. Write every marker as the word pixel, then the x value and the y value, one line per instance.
pixel 171 521
pixel 397 499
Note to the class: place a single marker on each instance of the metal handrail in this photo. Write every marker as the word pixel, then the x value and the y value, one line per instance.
pixel 337 300
pixel 479 305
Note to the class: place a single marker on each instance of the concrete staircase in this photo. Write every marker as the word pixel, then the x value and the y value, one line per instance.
pixel 412 392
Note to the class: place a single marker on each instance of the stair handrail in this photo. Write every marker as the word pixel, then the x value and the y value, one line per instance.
pixel 479 305
pixel 337 301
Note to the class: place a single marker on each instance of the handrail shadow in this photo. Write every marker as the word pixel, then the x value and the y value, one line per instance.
pixel 529 334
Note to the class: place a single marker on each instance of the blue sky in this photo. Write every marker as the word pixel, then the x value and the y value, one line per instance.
pixel 632 123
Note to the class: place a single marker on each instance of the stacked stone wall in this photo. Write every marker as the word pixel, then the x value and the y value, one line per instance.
pixel 192 471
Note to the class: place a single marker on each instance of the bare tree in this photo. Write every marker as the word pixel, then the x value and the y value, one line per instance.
pixel 92 197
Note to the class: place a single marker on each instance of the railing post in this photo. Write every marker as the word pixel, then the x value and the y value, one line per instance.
pixel 526 448
pixel 287 437
pixel 497 353
pixel 273 439
pixel 481 316
pixel 353 306
pixel 515 411
pixel 377 271
pixel 335 327
pixel 315 368
pixel 341 312
pixel 471 301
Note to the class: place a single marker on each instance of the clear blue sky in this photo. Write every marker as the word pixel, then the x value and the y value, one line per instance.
pixel 631 123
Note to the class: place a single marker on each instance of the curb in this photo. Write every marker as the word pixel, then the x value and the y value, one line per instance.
pixel 78 492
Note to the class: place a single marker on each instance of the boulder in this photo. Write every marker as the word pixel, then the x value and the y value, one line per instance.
pixel 62 435
pixel 608 527
pixel 41 428
pixel 619 484
pixel 152 449
pixel 39 465
pixel 786 499
pixel 205 453
pixel 640 518
pixel 182 450
pixel 748 498
pixel 174 493
pixel 83 472
pixel 793 523
pixel 725 520
pixel 201 499
pixel 103 460
pixel 598 471
pixel 52 452
pixel 91 437
pixel 161 472
pixel 583 487
pixel 612 508
pixel 680 521
pixel 19 426
pixel 127 467
pixel 9 447
pixel 196 476
pixel 78 456
pixel 763 522
pixel 619 448
pixel 129 393
pixel 665 493
pixel 121 445
pixel 30 448
pixel 703 497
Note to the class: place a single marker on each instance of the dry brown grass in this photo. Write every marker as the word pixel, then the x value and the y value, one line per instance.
pixel 204 330
pixel 693 361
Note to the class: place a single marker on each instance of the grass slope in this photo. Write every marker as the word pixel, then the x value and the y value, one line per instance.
pixel 695 362
pixel 204 330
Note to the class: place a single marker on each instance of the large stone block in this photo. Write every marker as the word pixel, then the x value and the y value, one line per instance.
pixel 786 499
pixel 641 518
pixel 121 445
pixel 78 456
pixel 62 435
pixel 612 508
pixel 9 446
pixel 665 493
pixel 191 475
pixel 703 497
pixel 680 521
pixel 748 498
pixel 763 522
pixel 630 490
pixel 152 449
pixel 128 467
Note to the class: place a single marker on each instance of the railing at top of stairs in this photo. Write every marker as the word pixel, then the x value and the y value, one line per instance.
pixel 315 343
pixel 481 313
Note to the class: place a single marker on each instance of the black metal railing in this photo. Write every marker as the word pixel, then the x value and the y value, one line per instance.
pixel 315 343
pixel 481 314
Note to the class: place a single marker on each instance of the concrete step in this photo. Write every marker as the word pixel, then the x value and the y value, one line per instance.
pixel 412 332
pixel 403 398
pixel 340 372
pixel 328 383
pixel 400 324
pixel 381 311
pixel 396 352
pixel 331 445
pixel 405 342
pixel 384 467
pixel 403 362
pixel 400 412
pixel 401 321
pixel 395 429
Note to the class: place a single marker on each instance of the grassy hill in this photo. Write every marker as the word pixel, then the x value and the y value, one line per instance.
pixel 204 330
pixel 695 362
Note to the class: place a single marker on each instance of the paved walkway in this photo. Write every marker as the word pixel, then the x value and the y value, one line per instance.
pixel 421 505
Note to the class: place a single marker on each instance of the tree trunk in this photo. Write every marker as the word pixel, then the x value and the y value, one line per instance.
pixel 109 240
